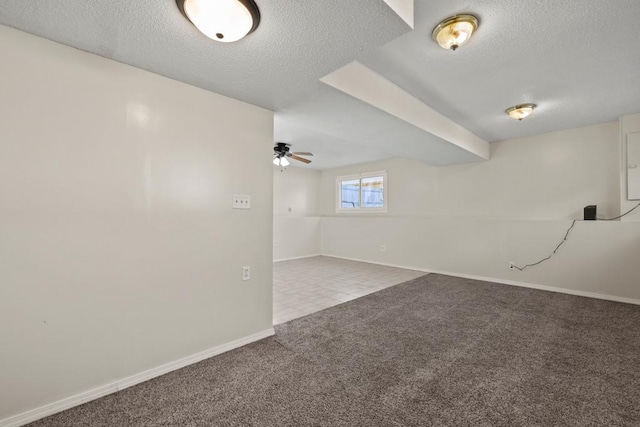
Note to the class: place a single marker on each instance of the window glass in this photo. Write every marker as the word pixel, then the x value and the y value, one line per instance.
pixel 350 194
pixel 365 192
pixel 373 192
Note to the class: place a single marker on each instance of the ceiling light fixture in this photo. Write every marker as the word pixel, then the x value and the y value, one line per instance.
pixel 281 161
pixel 455 31
pixel 222 20
pixel 521 111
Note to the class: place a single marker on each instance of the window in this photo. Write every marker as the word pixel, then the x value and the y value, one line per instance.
pixel 362 193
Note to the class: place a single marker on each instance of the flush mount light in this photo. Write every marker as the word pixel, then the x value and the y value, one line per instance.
pixel 222 20
pixel 455 31
pixel 521 111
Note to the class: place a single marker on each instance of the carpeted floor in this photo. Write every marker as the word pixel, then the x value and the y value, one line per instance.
pixel 434 351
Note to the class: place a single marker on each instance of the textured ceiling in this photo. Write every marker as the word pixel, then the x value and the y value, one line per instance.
pixel 328 151
pixel 365 127
pixel 296 43
pixel 578 60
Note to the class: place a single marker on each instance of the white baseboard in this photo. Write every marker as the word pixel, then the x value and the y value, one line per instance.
pixel 545 288
pixel 404 267
pixel 506 282
pixel 296 257
pixel 87 396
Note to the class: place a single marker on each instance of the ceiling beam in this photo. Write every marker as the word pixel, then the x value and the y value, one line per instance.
pixel 367 86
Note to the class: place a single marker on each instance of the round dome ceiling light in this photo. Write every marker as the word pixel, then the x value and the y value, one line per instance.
pixel 222 20
pixel 519 112
pixel 455 31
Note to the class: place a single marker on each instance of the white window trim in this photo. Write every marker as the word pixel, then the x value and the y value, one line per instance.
pixel 360 210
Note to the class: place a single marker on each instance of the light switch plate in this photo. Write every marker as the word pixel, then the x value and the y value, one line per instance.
pixel 241 201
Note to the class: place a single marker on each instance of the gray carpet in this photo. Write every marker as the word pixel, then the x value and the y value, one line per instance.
pixel 434 351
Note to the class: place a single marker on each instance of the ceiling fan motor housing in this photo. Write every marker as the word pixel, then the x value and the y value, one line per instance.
pixel 281 149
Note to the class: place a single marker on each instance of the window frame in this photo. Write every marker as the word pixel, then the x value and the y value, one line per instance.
pixel 360 177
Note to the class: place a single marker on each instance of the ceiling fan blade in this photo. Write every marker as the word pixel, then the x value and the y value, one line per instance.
pixel 300 159
pixel 302 153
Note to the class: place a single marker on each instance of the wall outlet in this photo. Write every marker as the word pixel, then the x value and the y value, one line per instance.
pixel 383 248
pixel 241 201
pixel 512 266
pixel 246 273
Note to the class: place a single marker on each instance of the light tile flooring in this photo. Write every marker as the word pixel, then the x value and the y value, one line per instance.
pixel 307 285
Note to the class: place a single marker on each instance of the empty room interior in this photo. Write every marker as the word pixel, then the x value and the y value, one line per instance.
pixel 328 213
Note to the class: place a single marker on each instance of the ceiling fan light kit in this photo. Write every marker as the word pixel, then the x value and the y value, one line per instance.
pixel 455 31
pixel 282 150
pixel 222 20
pixel 281 161
pixel 519 112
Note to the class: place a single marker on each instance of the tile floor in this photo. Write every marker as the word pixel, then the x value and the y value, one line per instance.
pixel 307 285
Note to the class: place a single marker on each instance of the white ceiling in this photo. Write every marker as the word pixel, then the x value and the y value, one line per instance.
pixel 296 43
pixel 364 132
pixel 329 151
pixel 578 60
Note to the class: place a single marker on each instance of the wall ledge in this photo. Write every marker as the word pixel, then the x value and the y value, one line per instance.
pixel 98 392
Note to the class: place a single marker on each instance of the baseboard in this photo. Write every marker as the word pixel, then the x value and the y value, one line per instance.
pixel 404 267
pixel 296 257
pixel 87 396
pixel 506 282
pixel 544 288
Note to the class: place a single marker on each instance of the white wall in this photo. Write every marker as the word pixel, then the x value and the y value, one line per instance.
pixel 474 219
pixel 551 176
pixel 628 125
pixel 119 250
pixel 295 191
pixel 296 221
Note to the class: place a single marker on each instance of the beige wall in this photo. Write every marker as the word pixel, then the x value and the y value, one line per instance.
pixel 119 250
pixel 551 176
pixel 295 191
pixel 296 221
pixel 474 219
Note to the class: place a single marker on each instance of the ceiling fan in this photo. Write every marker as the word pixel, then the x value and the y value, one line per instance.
pixel 281 152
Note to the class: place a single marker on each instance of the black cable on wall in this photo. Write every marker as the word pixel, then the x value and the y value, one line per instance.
pixel 566 236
